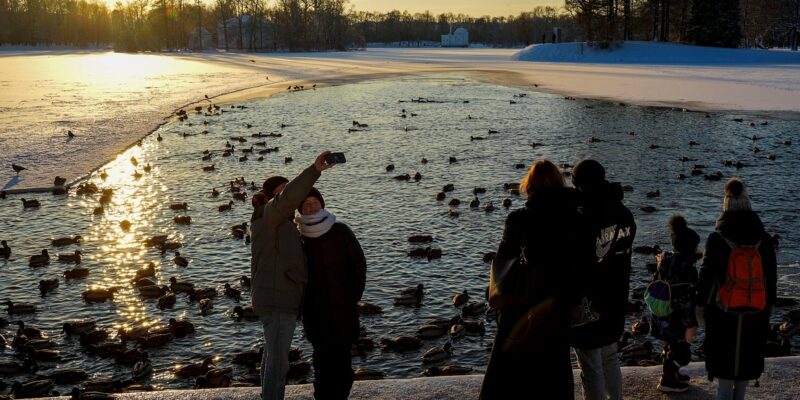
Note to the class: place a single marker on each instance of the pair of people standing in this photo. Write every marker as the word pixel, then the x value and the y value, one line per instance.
pixel 577 244
pixel 312 266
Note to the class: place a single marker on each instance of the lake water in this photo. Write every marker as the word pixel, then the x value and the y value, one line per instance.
pixel 382 211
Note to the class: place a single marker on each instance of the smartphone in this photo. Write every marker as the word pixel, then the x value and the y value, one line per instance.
pixel 335 158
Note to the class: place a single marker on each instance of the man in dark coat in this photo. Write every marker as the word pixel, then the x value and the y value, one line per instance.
pixel 613 229
pixel 734 342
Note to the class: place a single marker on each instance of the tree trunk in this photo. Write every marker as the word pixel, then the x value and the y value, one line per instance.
pixel 626 34
pixel 796 33
pixel 655 19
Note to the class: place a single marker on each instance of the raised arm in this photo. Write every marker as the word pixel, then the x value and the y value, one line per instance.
pixel 282 206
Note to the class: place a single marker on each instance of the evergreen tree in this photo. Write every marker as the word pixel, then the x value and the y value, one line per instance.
pixel 715 23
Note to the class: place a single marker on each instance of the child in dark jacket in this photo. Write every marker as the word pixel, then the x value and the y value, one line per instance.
pixel 679 328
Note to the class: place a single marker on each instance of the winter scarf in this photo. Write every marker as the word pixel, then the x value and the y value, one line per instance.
pixel 315 225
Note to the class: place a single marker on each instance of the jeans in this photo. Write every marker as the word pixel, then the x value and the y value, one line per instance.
pixel 731 390
pixel 601 377
pixel 278 332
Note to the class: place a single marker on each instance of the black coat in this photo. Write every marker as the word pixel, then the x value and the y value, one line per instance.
pixel 604 212
pixel 678 269
pixel 742 228
pixel 337 273
pixel 531 350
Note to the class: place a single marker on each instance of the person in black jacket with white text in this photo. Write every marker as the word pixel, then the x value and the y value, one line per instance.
pixel 336 277
pixel 614 229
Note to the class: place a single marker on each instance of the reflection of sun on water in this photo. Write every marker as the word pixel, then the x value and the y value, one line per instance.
pixel 123 252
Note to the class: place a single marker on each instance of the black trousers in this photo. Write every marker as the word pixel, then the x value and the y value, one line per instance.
pixel 675 355
pixel 333 371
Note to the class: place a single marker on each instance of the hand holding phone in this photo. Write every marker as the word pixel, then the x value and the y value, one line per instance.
pixel 335 158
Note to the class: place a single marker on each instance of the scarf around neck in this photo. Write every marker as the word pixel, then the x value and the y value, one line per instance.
pixel 315 225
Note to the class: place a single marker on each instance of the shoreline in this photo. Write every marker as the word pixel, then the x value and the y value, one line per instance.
pixel 332 69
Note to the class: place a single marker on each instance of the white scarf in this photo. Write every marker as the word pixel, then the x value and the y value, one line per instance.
pixel 315 225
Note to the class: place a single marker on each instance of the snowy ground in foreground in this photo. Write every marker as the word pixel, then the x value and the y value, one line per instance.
pixel 111 100
pixel 777 382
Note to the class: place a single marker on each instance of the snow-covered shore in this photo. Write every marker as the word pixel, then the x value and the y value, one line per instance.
pixel 778 382
pixel 111 100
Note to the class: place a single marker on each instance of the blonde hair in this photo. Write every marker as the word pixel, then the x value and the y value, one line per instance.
pixel 542 174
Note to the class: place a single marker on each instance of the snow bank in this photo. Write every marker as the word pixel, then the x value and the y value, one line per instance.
pixel 652 53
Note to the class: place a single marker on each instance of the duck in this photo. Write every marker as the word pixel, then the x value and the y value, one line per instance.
pixel 453 213
pixel 248 358
pixel 437 354
pixel 473 327
pixel 194 370
pixel 648 209
pixel 182 219
pixel 403 177
pixel 440 196
pixel 424 160
pixel 65 376
pixel 154 340
pixel 98 295
pixel 225 207
pixel 246 312
pixel 125 224
pixel 417 176
pixel 19 308
pixel 152 291
pixel 474 203
pixel 401 343
pixel 457 331
pixel 180 286
pixel 459 299
pixel 17 367
pixel 31 332
pixel 168 245
pixel 47 285
pixel 179 260
pixel 447 370
pixel 390 168
pixel 65 241
pixel 244 280
pixel 233 293
pixel 167 300
pixel 78 327
pixel 143 368
pixel 215 378
pixel 46 355
pixel 76 273
pixel 204 293
pixel 40 260
pixel 5 251
pixel 474 308
pixel 36 388
pixel 179 206
pixel 430 332
pixel 17 168
pixel 239 231
pixel 146 272
pixel 365 308
pixel 71 258
pixel 205 306
pixel 366 374
pixel 489 207
pixel 506 202
pixel 298 369
pixel 448 188
pixel 489 257
pixel 180 327
pixel 640 327
pixel 653 194
pixel 454 203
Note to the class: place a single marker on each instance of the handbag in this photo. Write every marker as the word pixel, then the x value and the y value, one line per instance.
pixel 583 313
pixel 509 282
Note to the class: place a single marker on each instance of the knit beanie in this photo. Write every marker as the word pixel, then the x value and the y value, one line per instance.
pixel 588 172
pixel 270 184
pixel 312 193
pixel 736 197
pixel 684 239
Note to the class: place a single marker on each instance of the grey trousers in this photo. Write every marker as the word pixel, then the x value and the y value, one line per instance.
pixel 601 376
pixel 731 390
pixel 278 332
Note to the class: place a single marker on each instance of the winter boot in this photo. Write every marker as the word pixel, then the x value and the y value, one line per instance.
pixel 670 383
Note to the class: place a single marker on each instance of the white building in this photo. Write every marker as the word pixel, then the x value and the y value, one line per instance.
pixel 459 38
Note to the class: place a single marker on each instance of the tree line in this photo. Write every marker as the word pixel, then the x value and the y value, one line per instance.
pixel 303 25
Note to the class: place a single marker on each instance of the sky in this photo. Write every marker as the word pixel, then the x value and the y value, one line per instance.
pixel 471 7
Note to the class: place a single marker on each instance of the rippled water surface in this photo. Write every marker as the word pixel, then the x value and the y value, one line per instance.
pixel 382 211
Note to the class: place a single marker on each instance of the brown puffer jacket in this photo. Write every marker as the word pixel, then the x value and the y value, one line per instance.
pixel 278 266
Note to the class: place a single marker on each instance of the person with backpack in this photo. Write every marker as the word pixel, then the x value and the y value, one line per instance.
pixel 613 229
pixel 736 293
pixel 670 299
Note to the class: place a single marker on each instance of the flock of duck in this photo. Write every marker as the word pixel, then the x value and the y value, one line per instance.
pixel 128 347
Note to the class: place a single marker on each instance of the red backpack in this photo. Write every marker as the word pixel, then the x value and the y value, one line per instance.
pixel 744 288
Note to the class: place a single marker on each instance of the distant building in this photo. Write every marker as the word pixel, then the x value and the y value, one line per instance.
pixel 200 39
pixel 459 38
